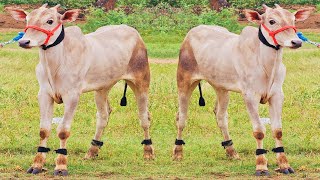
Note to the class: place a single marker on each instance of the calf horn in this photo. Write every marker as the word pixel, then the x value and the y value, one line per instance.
pixel 44 5
pixel 56 7
pixel 278 6
pixel 265 7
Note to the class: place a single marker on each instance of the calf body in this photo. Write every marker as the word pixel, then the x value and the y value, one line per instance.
pixel 239 63
pixel 82 63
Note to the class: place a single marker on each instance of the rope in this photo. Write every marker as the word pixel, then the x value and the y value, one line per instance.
pixel 305 39
pixel 15 39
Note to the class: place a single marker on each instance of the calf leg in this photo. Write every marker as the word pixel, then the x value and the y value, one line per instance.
pixel 252 103
pixel 222 121
pixel 46 112
pixel 63 130
pixel 140 90
pixel 103 112
pixel 184 94
pixel 275 110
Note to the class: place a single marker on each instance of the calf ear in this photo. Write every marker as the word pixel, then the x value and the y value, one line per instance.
pixel 70 16
pixel 17 14
pixel 253 16
pixel 303 14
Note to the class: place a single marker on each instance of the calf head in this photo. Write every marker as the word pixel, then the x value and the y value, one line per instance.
pixel 278 24
pixel 43 25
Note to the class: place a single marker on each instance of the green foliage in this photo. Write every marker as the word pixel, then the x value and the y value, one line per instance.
pixel 1 8
pixel 162 19
pixel 173 3
pixel 235 3
pixel 153 3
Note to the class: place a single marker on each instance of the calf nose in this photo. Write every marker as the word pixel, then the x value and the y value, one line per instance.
pixel 24 43
pixel 296 43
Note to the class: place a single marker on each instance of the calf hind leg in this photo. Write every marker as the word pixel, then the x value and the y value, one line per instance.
pixel 140 90
pixel 103 113
pixel 222 121
pixel 184 98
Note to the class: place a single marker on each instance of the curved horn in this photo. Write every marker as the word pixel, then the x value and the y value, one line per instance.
pixel 265 7
pixel 56 7
pixel 277 6
pixel 44 5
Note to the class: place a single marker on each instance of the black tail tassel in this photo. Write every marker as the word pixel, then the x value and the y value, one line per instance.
pixel 123 101
pixel 202 102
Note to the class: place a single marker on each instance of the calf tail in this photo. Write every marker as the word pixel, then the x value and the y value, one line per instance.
pixel 202 102
pixel 123 101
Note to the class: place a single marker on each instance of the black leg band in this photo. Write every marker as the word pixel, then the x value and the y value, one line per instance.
pixel 261 151
pixel 227 143
pixel 146 142
pixel 43 149
pixel 96 143
pixel 278 150
pixel 179 142
pixel 61 151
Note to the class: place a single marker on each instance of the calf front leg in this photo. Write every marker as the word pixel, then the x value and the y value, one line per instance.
pixel 46 113
pixel 222 121
pixel 70 103
pixel 103 112
pixel 275 109
pixel 252 102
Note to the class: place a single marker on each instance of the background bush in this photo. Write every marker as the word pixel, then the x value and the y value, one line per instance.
pixel 162 19
pixel 152 3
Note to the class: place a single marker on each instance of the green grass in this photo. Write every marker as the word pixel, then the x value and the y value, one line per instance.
pixel 121 156
pixel 163 45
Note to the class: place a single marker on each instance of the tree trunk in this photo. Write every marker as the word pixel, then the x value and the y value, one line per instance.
pixel 218 4
pixel 107 4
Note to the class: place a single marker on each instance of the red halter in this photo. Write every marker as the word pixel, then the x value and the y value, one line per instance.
pixel 47 32
pixel 272 34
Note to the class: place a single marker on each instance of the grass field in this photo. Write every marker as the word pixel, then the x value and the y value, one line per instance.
pixel 121 156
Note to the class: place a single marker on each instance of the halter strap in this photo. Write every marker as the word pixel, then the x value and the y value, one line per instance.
pixel 49 35
pixel 265 42
pixel 57 41
pixel 273 34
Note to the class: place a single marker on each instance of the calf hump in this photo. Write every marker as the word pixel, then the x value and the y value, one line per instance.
pixel 138 64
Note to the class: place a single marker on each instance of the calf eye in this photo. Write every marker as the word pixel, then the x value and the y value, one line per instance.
pixel 50 21
pixel 272 22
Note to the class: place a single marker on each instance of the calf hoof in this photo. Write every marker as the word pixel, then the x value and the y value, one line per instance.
pixel 232 153
pixel 148 152
pixel 32 170
pixel 178 153
pixel 92 153
pixel 262 173
pixel 285 170
pixel 62 172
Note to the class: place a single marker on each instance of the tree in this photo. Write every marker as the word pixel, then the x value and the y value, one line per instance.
pixel 218 4
pixel 107 4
